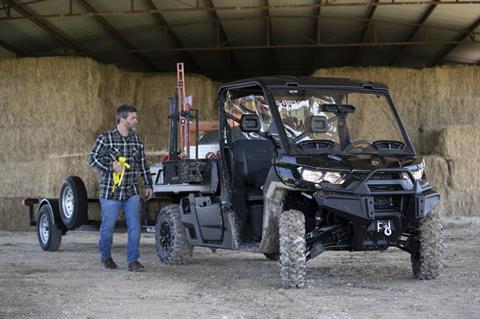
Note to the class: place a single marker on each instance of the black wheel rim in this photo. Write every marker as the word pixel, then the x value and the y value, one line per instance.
pixel 165 236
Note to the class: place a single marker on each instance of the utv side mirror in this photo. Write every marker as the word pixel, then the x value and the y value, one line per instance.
pixel 250 123
pixel 319 124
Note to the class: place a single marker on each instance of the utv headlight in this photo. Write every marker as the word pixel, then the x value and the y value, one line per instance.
pixel 416 171
pixel 315 176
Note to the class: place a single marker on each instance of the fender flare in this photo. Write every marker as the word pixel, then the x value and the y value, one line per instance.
pixel 274 193
pixel 54 212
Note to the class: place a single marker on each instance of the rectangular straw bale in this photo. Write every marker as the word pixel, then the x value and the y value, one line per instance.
pixel 464 173
pixel 436 169
pixel 459 141
pixel 13 215
pixel 34 144
pixel 47 91
pixel 463 202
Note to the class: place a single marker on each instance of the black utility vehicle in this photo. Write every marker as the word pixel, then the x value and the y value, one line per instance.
pixel 299 166
pixel 304 165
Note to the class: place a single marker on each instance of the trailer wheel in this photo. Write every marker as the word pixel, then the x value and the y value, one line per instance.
pixel 292 249
pixel 170 237
pixel 49 236
pixel 73 202
pixel 427 244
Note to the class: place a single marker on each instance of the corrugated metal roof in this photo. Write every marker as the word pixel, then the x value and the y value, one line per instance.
pixel 229 39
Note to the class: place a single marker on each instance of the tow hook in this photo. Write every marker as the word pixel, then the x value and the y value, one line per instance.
pixel 385 226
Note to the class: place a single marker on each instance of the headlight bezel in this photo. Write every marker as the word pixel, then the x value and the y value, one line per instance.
pixel 318 176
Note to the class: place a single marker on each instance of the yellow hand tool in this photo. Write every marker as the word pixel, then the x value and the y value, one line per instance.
pixel 118 177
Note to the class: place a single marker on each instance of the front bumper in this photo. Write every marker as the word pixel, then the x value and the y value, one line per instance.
pixel 367 208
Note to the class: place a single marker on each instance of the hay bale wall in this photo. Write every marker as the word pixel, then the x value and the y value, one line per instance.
pixel 55 107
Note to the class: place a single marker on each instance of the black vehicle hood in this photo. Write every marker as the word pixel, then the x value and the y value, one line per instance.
pixel 358 162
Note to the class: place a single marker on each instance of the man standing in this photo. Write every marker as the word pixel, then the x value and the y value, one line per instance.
pixel 121 151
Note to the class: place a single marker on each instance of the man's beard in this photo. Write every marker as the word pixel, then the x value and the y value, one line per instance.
pixel 131 128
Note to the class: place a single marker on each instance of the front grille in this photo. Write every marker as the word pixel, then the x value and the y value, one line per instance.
pixel 387 202
pixel 385 187
pixel 386 176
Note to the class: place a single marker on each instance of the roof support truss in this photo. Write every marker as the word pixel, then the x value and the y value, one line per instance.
pixel 368 18
pixel 117 35
pixel 13 49
pixel 420 23
pixel 271 63
pixel 189 59
pixel 222 35
pixel 457 40
pixel 68 43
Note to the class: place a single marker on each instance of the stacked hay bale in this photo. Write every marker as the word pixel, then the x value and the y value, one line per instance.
pixel 439 107
pixel 54 108
pixel 459 146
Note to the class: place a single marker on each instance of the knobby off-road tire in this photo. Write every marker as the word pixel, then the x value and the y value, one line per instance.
pixel 427 261
pixel 49 236
pixel 170 238
pixel 73 202
pixel 292 249
pixel 272 256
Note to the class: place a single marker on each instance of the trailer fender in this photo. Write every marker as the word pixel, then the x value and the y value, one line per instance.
pixel 54 209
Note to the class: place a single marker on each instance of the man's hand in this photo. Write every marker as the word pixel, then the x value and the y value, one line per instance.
pixel 148 193
pixel 117 167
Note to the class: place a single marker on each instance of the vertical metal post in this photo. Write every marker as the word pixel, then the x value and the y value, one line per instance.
pixel 196 134
pixel 173 128
pixel 181 103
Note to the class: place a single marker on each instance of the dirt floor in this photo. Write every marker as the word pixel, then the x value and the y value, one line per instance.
pixel 71 283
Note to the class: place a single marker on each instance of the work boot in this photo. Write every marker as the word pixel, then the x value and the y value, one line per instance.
pixel 108 263
pixel 135 267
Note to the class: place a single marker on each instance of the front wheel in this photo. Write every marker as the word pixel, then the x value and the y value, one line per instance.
pixel 49 236
pixel 292 249
pixel 427 247
pixel 170 237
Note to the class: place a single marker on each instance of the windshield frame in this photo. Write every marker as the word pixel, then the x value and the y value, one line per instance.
pixel 292 150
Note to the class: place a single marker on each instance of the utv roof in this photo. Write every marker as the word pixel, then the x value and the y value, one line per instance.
pixel 292 81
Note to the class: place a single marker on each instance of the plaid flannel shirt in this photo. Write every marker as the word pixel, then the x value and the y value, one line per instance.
pixel 108 147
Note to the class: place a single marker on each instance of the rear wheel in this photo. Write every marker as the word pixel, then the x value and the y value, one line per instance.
pixel 427 247
pixel 49 236
pixel 73 202
pixel 292 249
pixel 170 237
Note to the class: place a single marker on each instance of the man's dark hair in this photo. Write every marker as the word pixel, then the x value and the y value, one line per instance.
pixel 123 110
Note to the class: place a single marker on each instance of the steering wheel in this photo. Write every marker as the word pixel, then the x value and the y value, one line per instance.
pixel 359 142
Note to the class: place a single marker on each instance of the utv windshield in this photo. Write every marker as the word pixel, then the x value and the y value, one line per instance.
pixel 339 121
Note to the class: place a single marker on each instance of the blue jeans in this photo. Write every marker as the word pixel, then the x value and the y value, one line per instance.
pixel 110 211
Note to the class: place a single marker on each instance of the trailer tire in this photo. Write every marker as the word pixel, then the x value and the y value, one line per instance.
pixel 292 249
pixel 170 237
pixel 49 236
pixel 73 202
pixel 427 243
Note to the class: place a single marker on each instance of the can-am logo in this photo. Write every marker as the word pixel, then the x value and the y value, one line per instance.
pixel 375 163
